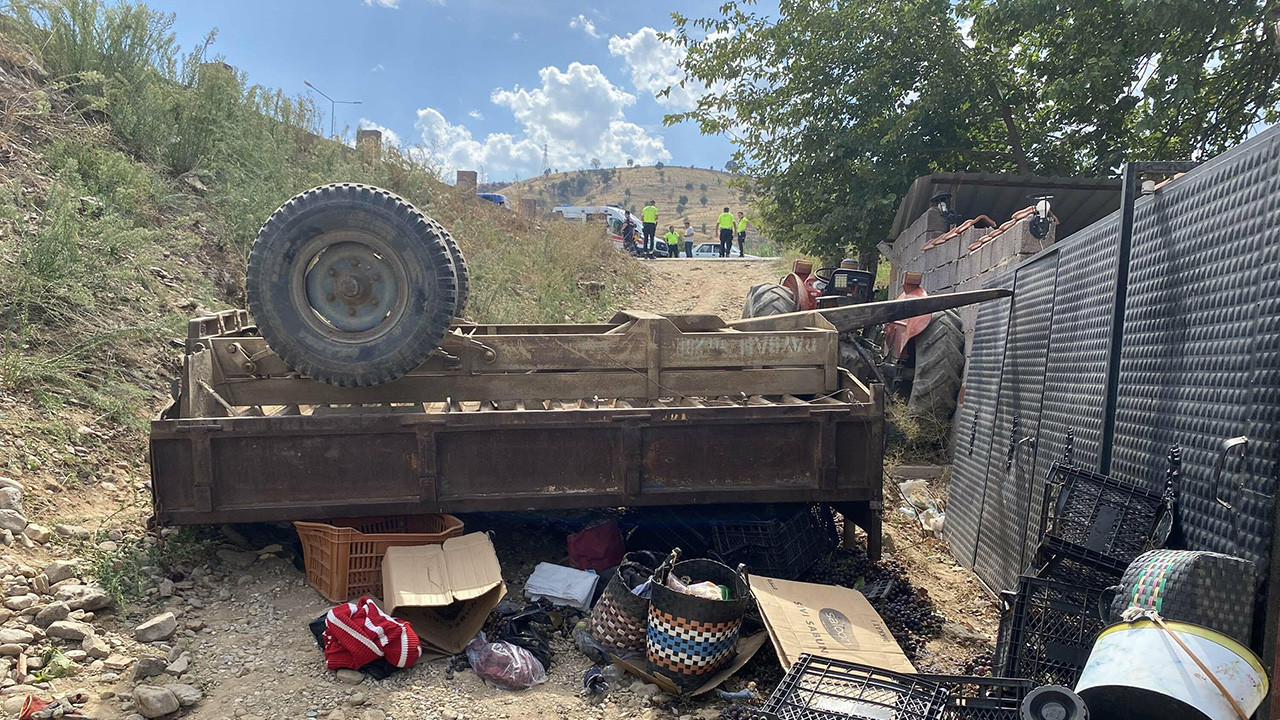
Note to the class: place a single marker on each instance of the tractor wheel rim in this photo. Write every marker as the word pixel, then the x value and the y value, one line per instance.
pixel 350 286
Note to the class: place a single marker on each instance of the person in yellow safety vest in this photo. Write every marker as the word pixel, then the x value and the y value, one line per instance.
pixel 742 233
pixel 673 242
pixel 726 232
pixel 649 216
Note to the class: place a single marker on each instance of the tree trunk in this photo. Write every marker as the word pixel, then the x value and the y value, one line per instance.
pixel 1011 130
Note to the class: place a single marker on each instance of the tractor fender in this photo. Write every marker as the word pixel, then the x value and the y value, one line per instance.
pixel 900 332
pixel 806 296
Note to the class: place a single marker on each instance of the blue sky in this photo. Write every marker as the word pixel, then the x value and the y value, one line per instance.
pixel 479 84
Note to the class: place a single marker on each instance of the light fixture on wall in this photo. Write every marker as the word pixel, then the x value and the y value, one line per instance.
pixel 942 201
pixel 1043 218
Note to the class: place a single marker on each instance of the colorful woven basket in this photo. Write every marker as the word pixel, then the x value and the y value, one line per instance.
pixel 689 638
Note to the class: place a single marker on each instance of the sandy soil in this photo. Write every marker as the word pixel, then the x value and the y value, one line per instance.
pixel 715 287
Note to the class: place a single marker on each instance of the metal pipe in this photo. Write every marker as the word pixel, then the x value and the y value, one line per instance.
pixel 1128 196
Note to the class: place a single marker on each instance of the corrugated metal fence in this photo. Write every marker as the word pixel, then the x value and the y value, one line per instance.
pixel 1200 363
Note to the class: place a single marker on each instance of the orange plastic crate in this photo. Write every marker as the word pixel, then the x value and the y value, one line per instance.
pixel 344 559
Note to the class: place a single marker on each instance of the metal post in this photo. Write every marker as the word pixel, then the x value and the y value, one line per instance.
pixel 1128 196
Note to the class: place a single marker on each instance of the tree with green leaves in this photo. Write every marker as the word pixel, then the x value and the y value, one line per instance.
pixel 837 105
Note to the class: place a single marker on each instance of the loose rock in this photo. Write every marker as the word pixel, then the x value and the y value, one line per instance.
pixel 148 666
pixel 154 702
pixel 51 613
pixel 237 560
pixel 69 630
pixel 160 627
pixel 12 520
pixel 12 635
pixel 75 532
pixel 349 677
pixel 96 647
pixel 59 570
pixel 11 499
pixel 22 602
pixel 84 597
pixel 186 694
pixel 39 533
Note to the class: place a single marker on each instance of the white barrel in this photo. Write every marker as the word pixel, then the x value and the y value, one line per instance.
pixel 1137 670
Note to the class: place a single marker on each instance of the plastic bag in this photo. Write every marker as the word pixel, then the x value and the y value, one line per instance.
pixel 507 666
pixel 706 590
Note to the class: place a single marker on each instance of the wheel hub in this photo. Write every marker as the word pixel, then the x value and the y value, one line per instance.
pixel 351 287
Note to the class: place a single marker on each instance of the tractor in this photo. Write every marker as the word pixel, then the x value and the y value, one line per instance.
pixel 920 358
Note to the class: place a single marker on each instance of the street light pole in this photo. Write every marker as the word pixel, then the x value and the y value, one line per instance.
pixel 332 104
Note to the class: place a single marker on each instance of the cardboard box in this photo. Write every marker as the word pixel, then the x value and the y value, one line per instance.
pixel 826 620
pixel 444 591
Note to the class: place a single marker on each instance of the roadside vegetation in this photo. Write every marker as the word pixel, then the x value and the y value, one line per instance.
pixel 133 180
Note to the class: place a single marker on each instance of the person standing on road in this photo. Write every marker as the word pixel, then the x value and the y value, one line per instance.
pixel 649 216
pixel 742 233
pixel 688 239
pixel 673 242
pixel 726 232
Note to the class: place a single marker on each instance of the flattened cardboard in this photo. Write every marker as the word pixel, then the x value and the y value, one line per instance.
pixel 825 620
pixel 746 648
pixel 444 591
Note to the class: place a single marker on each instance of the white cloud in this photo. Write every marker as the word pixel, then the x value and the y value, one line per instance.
pixel 395 4
pixel 389 136
pixel 515 36
pixel 583 23
pixel 655 66
pixel 577 113
pixel 377 68
pixel 475 115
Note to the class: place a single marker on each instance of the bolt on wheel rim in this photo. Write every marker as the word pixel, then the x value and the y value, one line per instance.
pixel 352 287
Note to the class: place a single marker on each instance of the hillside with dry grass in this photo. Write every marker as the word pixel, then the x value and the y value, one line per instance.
pixel 698 194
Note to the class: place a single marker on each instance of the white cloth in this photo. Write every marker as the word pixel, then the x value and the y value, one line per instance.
pixel 561 585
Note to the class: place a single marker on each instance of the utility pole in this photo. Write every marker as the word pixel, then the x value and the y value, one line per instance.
pixel 546 162
pixel 332 104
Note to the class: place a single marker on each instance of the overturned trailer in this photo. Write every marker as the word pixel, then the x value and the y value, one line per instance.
pixel 643 410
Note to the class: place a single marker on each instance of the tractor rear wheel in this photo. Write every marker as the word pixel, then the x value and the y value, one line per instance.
pixel 351 285
pixel 939 367
pixel 768 299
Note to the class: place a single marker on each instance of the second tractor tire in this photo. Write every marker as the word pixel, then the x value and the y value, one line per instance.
pixel 939 367
pixel 768 299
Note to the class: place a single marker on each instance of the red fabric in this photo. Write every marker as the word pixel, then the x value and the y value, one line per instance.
pixel 597 548
pixel 356 634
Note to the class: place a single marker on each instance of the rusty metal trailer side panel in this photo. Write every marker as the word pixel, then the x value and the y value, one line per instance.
pixel 278 468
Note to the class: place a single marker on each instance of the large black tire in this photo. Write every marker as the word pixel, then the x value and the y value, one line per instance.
pixel 768 299
pixel 351 285
pixel 939 366
pixel 461 275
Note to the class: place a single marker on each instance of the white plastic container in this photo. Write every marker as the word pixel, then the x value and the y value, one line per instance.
pixel 1137 671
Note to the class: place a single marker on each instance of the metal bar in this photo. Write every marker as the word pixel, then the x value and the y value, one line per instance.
pixel 1128 197
pixel 852 317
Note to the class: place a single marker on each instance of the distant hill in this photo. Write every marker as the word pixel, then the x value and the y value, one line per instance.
pixel 632 187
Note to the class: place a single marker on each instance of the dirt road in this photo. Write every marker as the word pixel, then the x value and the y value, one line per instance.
pixel 715 287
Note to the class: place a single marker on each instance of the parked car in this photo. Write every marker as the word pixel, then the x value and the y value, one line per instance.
pixel 496 198
pixel 712 250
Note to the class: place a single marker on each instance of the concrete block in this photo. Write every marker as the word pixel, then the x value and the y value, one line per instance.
pixel 467 181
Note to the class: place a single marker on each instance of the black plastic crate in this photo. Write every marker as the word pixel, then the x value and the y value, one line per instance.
pixel 1101 520
pixel 1047 631
pixel 819 688
pixel 781 546
pixel 1069 570
pixel 982 698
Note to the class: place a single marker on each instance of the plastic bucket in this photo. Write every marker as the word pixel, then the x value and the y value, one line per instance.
pixel 1138 672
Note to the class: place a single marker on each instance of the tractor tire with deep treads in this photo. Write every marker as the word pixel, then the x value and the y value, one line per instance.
pixel 939 367
pixel 768 299
pixel 351 285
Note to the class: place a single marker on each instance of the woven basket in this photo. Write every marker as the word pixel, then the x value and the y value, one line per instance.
pixel 690 638
pixel 620 617
pixel 344 559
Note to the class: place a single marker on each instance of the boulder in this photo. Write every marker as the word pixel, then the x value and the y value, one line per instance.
pixel 154 702
pixel 83 597
pixel 21 602
pixel 75 532
pixel 69 630
pixel 59 570
pixel 160 627
pixel 349 677
pixel 10 650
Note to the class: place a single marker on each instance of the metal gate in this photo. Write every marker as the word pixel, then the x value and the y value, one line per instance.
pixel 1198 303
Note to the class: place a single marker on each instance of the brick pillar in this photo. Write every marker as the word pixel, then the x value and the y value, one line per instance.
pixel 467 182
pixel 369 145
pixel 529 207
